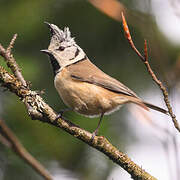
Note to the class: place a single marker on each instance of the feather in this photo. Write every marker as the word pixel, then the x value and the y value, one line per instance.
pixel 86 71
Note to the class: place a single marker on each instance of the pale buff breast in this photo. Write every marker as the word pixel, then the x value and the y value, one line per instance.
pixel 86 98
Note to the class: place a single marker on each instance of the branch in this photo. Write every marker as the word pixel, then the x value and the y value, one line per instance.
pixel 9 139
pixel 148 67
pixel 11 62
pixel 39 110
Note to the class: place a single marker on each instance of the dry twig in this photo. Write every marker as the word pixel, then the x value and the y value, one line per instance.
pixel 11 62
pixel 39 110
pixel 148 67
pixel 12 142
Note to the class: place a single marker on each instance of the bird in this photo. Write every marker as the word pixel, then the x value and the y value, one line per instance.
pixel 82 86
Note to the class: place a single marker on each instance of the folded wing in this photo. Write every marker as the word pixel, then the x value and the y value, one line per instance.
pixel 92 74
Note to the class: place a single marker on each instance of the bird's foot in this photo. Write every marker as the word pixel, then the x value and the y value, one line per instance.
pixel 95 133
pixel 61 112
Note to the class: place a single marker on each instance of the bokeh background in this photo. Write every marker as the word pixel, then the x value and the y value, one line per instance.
pixel 141 135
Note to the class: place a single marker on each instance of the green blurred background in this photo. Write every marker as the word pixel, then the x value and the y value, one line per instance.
pixel 103 40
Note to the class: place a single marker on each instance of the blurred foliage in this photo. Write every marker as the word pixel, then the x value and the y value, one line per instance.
pixel 103 40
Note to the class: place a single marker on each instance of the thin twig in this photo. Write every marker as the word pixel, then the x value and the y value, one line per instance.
pixel 128 36
pixel 148 67
pixel 4 141
pixel 17 147
pixel 145 51
pixel 11 44
pixel 11 62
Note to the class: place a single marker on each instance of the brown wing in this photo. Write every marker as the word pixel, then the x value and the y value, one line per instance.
pixel 86 71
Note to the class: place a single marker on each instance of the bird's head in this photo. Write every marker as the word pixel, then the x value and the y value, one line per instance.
pixel 62 50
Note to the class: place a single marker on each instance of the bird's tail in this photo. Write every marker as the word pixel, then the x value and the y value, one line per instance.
pixel 156 108
pixel 146 105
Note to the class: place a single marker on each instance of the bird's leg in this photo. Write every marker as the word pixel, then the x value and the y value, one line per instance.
pixel 96 130
pixel 61 112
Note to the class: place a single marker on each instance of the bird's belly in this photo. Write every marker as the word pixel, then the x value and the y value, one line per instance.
pixel 85 98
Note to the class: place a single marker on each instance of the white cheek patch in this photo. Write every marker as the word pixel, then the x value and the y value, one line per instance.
pixel 69 53
pixel 69 56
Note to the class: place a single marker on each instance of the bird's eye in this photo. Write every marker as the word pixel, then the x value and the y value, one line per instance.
pixel 61 48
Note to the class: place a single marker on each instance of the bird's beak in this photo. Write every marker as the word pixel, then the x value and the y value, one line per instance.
pixel 46 51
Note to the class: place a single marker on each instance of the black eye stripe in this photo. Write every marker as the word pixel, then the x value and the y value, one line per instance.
pixel 61 48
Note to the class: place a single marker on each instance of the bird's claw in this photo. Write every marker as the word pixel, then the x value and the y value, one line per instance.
pixel 93 135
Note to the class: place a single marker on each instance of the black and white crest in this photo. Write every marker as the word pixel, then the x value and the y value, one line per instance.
pixel 59 36
pixel 63 47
